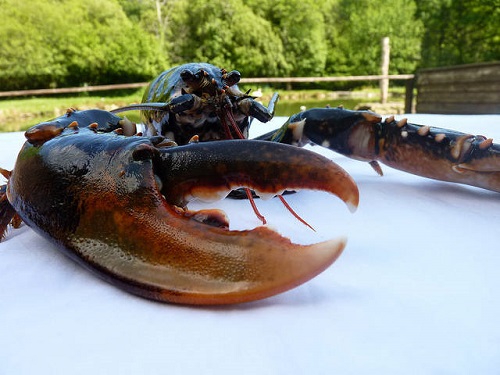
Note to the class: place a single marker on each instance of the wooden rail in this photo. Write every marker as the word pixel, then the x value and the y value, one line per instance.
pixel 463 89
pixel 326 79
pixel 68 90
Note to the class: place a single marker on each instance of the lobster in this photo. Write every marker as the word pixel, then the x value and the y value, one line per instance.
pixel 116 200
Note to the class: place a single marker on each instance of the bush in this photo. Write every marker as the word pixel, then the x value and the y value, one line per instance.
pixel 53 43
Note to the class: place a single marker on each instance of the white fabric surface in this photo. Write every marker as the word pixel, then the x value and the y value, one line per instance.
pixel 416 291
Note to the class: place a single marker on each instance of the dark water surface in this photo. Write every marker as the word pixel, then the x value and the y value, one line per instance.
pixel 290 107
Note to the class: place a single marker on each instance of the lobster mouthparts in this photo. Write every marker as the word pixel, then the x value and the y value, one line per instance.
pixel 117 205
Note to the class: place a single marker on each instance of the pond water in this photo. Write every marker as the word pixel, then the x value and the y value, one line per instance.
pixel 290 107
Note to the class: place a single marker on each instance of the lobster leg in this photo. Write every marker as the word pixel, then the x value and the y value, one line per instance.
pixel 426 151
pixel 7 212
pixel 250 107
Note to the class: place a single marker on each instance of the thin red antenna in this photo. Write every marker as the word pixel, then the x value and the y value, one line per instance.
pixel 254 207
pixel 227 130
pixel 296 215
pixel 247 190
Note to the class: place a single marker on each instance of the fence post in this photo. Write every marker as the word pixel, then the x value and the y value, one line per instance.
pixel 384 70
pixel 409 95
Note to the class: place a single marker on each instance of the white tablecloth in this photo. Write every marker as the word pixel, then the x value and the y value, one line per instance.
pixel 416 291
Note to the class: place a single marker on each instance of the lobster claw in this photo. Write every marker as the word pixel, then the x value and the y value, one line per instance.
pixel 175 258
pixel 210 265
pixel 116 205
pixel 210 170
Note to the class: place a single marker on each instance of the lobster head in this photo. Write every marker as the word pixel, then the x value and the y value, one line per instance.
pixel 201 99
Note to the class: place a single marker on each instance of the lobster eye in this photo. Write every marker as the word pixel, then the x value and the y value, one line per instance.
pixel 188 76
pixel 232 78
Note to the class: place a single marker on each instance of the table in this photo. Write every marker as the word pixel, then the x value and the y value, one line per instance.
pixel 416 290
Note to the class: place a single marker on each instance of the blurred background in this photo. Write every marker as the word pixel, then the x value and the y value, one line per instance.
pixel 70 43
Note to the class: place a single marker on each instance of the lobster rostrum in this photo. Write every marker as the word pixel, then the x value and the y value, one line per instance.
pixel 116 200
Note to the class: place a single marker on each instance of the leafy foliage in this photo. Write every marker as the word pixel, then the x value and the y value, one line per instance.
pixel 300 26
pixel 459 31
pixel 355 43
pixel 54 43
pixel 51 43
pixel 225 33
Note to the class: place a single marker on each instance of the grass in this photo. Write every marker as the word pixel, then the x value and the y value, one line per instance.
pixel 20 114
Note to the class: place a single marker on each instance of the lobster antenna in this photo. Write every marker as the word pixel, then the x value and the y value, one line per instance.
pixel 142 107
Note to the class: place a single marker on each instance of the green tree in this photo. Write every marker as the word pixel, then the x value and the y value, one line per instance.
pixel 153 16
pixel 459 31
pixel 300 24
pixel 51 43
pixel 225 33
pixel 356 29
pixel 26 56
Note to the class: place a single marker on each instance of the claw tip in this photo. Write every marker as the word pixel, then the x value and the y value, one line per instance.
pixel 352 206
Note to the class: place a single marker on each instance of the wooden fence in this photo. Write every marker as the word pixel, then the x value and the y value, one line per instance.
pixel 288 80
pixel 71 90
pixel 463 89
